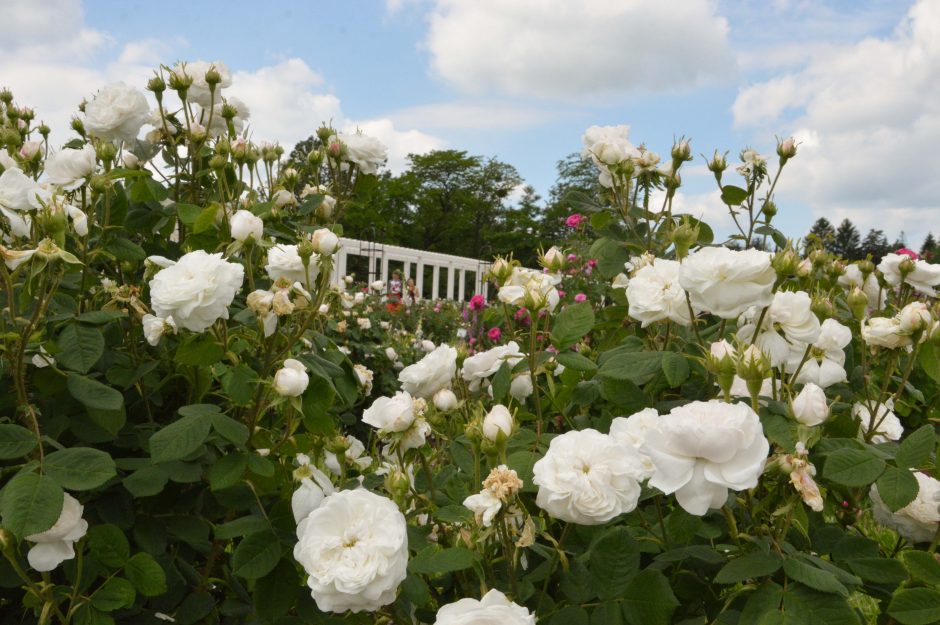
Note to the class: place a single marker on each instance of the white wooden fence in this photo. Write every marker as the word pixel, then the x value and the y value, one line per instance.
pixel 463 277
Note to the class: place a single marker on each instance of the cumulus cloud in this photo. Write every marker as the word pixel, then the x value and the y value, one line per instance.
pixel 868 118
pixel 573 50
pixel 474 116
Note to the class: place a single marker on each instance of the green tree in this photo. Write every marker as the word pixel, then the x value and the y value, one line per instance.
pixel 929 249
pixel 822 233
pixel 875 244
pixel 847 242
pixel 574 176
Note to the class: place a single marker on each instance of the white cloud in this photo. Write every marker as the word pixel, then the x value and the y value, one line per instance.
pixel 572 50
pixel 868 116
pixel 474 116
pixel 400 143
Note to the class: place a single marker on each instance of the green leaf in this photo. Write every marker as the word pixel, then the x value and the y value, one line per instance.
pixel 188 213
pixel 199 410
pixel 922 566
pixel 610 256
pixel 241 527
pixel 227 471
pixel 614 558
pixel 853 467
pixel 109 545
pixel 915 606
pixel 624 394
pixel 637 367
pixel 206 219
pixel 648 599
pixel 199 350
pixel 100 317
pixel 878 570
pixel 572 323
pixel 229 429
pixel 256 555
pixel 114 594
pixel 93 394
pixel 276 592
pixel 575 361
pixel 501 382
pixel 916 448
pixel 454 514
pixel 432 561
pixel 31 504
pixel 676 368
pixel 180 438
pixel 929 360
pixel 522 462
pixel 813 577
pixel 146 574
pixel 315 405
pixel 749 566
pixel 146 482
pixel 570 615
pixel 80 468
pixel 897 488
pixel 80 347
pixel 15 441
pixel 733 195
pixel 123 249
pixel 239 384
pixel 87 615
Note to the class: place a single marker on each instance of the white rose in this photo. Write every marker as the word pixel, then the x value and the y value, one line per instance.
pixel 57 544
pixel 219 125
pixel 353 456
pixel 310 494
pixel 354 548
pixel 445 400
pixel 702 449
pixel 720 349
pixel 881 417
pixel 430 374
pixel 364 323
pixel 197 290
pixel 654 294
pixel 485 505
pixel 497 420
pixel 480 366
pixel 367 152
pixel 521 387
pixel 427 346
pixel 884 332
pixel 853 277
pixel 285 262
pixel 156 327
pixel 199 91
pixel 391 354
pixel 917 521
pixel 391 414
pixel 378 285
pixel 527 287
pixel 924 277
pixel 17 191
pixel 364 375
pixel 587 478
pixel 914 317
pixel 823 367
pixel 116 113
pixel 632 431
pixel 291 380
pixel 325 241
pixel 727 282
pixel 246 225
pixel 810 406
pixel 792 312
pixel 493 609
pixel 70 168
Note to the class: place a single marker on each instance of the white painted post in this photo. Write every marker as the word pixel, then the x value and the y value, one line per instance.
pixel 341 264
pixel 450 282
pixel 419 279
pixel 406 273
pixel 384 277
pixel 435 282
pixel 461 288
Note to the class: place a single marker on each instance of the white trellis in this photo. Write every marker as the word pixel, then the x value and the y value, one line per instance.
pixel 455 269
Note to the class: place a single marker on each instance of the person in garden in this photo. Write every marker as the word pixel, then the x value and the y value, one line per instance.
pixel 411 293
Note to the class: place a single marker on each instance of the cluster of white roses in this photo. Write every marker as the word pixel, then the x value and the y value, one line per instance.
pixel 536 290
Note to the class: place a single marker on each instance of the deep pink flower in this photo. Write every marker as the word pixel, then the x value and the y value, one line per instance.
pixel 472 341
pixel 477 302
pixel 572 258
pixel 561 293
pixel 574 220
pixel 522 316
pixel 592 262
pixel 495 334
pixel 580 297
pixel 914 255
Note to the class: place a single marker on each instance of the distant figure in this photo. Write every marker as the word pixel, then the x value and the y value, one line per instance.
pixel 411 293
pixel 393 300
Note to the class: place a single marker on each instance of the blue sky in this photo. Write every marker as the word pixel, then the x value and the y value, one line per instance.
pixel 521 79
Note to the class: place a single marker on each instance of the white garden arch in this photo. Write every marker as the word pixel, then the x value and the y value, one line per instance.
pixel 462 277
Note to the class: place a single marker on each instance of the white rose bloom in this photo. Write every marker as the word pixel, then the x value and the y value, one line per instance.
pixel 521 387
pixel 364 375
pixel 824 365
pixel 853 277
pixel 739 388
pixel 790 313
pixel 367 152
pixel 156 327
pixel 325 241
pixel 197 290
pixel 310 494
pixel 430 374
pixel 884 332
pixel 391 414
pixel 378 285
pixel 354 456
pixel 481 366
pixel 497 420
pixel 116 113
pixel 7 161
pixel 919 520
pixel 219 125
pixel 810 406
pixel 537 285
pixel 354 548
pixel 391 354
pixel 654 294
pixel 702 449
pixel 914 317
pixel 887 425
pixel 620 281
pixel 632 431
pixel 71 168
pixel 427 346
pixel 364 323
pixel 924 277
pixel 587 478
pixel 493 609
pixel 246 225
pixel 445 400
pixel 291 380
pixel 17 191
pixel 485 505
pixel 57 544
pixel 199 91
pixel 285 262
pixel 727 282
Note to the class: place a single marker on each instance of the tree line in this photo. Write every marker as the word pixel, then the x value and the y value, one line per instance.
pixel 846 241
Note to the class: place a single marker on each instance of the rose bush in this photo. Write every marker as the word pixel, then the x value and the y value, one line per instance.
pixel 197 425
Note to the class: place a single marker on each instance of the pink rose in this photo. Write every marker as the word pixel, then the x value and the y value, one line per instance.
pixel 574 221
pixel 580 297
pixel 477 302
pixel 494 334
pixel 914 255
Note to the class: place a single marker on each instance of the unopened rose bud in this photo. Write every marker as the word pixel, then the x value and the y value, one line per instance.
pixel 682 151
pixel 906 267
pixel 157 85
pixel 229 112
pixel 684 236
pixel 770 209
pixel 866 267
pixel 501 269
pixel 786 149
pixel 818 257
pixel 823 307
pixel 325 241
pixel 810 407
pixel 291 380
pixel 213 78
pixel 445 400
pixel 785 262
pixel 78 126
pixel 805 268
pixel 6 96
pixel 324 133
pixel 498 424
pixel 553 259
pixel 218 162
pixel 858 302
pixel 197 132
pixel 718 164
pixel 914 317
pixel 325 209
pixel 44 130
pixel 315 158
pixel 98 183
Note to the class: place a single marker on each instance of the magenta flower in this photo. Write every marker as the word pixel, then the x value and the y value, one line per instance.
pixel 574 220
pixel 914 255
pixel 580 297
pixel 494 334
pixel 477 302
pixel 561 293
